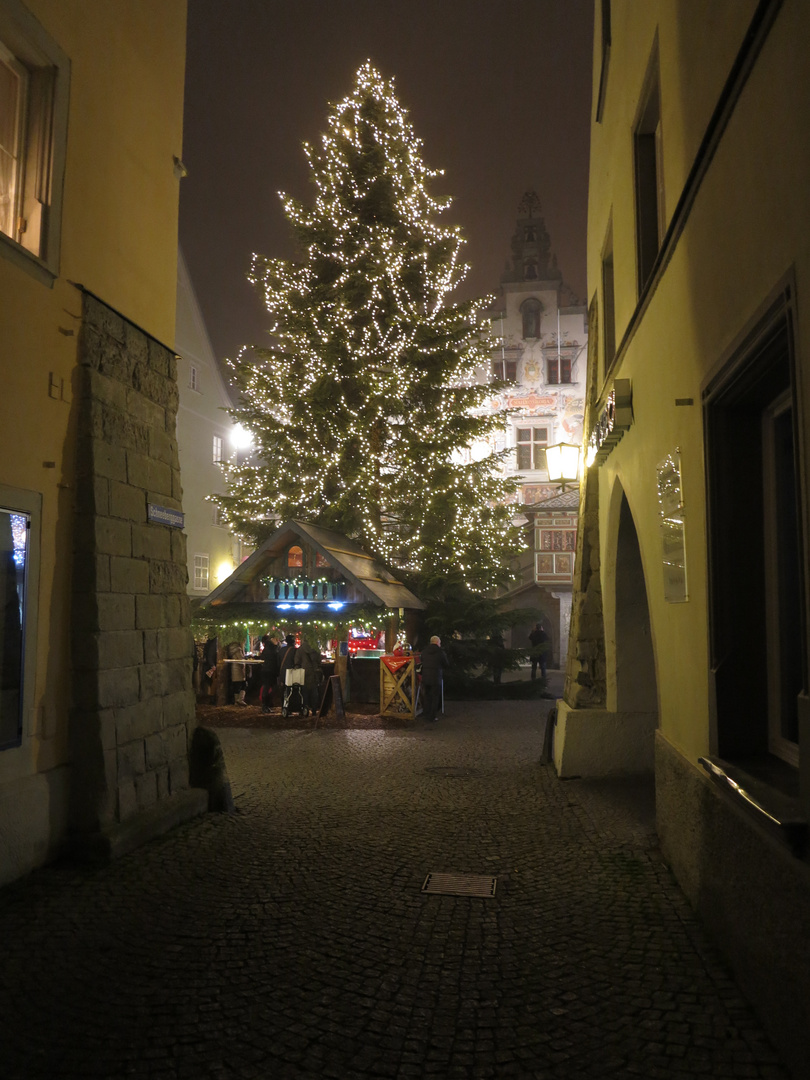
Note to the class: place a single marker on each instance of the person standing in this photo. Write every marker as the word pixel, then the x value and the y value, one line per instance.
pixel 236 652
pixel 270 668
pixel 434 661
pixel 308 657
pixel 539 651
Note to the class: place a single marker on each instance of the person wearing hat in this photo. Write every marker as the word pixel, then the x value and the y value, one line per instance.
pixel 434 660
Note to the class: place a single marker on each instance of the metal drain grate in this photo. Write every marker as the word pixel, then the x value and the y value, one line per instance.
pixel 460 884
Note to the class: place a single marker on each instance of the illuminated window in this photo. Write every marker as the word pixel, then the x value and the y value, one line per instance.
pixel 320 562
pixel 201 573
pixel 295 558
pixel 19 556
pixel 34 76
pixel 531 445
pixel 217 450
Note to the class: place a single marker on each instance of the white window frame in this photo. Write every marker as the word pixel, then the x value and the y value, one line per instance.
pixel 216 449
pixel 202 572
pixel 34 244
pixel 532 443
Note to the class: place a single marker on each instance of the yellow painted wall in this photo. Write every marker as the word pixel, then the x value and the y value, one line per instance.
pixel 119 240
pixel 747 228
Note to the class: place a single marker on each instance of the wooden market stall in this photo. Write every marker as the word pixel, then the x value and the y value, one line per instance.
pixel 306 576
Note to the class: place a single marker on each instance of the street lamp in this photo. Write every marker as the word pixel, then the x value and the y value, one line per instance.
pixel 562 463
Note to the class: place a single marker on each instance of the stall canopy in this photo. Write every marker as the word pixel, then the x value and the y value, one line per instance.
pixel 303 571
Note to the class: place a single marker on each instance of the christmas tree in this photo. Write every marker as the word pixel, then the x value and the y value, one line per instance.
pixel 367 413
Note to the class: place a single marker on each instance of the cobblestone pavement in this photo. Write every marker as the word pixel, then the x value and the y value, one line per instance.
pixel 292 940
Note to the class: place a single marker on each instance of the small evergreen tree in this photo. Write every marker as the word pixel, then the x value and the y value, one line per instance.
pixel 366 407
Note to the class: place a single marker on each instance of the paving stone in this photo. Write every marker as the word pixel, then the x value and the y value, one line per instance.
pixel 292 939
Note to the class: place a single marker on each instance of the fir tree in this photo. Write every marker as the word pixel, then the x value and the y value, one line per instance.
pixel 363 407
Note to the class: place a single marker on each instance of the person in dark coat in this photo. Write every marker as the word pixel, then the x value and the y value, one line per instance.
pixel 286 655
pixel 434 661
pixel 309 658
pixel 270 668
pixel 539 652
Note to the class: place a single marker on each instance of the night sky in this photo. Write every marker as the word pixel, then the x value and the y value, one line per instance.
pixel 499 91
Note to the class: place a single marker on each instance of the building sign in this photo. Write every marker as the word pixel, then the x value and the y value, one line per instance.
pixel 615 419
pixel 165 515
pixel 673 528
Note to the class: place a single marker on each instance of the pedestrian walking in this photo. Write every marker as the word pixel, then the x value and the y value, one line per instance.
pixel 434 661
pixel 539 651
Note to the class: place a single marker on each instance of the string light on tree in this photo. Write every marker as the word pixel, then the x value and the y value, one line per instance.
pixel 370 386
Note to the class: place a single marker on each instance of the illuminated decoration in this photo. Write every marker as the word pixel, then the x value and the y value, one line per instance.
pixel 562 464
pixel 240 437
pixel 224 570
pixel 615 419
pixel 370 383
pixel 19 538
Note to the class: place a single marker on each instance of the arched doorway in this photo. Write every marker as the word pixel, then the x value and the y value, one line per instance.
pixel 636 687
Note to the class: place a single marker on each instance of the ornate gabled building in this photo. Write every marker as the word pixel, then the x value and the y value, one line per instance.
pixel 541 336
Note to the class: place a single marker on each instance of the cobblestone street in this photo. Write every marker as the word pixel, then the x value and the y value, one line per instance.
pixel 292 939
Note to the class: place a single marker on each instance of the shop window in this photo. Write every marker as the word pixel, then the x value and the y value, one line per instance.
pixel 758 616
pixel 19 527
pixel 34 78
pixel 201 570
pixel 649 176
pixel 531 443
pixel 530 311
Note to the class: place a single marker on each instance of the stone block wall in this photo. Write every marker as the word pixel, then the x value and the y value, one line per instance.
pixel 133 705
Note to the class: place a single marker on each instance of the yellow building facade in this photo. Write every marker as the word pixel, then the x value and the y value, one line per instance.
pixel 91 101
pixel 689 647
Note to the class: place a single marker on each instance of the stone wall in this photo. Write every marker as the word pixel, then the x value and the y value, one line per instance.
pixel 133 704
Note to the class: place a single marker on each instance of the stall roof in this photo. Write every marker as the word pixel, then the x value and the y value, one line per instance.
pixel 374 580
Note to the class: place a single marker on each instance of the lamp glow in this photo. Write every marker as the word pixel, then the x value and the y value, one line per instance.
pixel 562 463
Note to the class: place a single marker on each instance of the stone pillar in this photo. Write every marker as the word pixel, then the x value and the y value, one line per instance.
pixel 586 671
pixel 133 703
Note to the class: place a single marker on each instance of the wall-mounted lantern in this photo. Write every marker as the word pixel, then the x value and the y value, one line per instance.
pixel 563 463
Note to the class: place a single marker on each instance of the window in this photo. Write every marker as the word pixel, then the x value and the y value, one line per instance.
pixel 216 516
pixel 757 611
pixel 295 558
pixel 608 301
pixel 34 79
pixel 505 369
pixel 14 528
pixel 531 445
pixel 201 573
pixel 217 450
pixel 558 369
pixel 649 176
pixel 530 270
pixel 19 520
pixel 530 310
pixel 193 378
pixel 603 72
